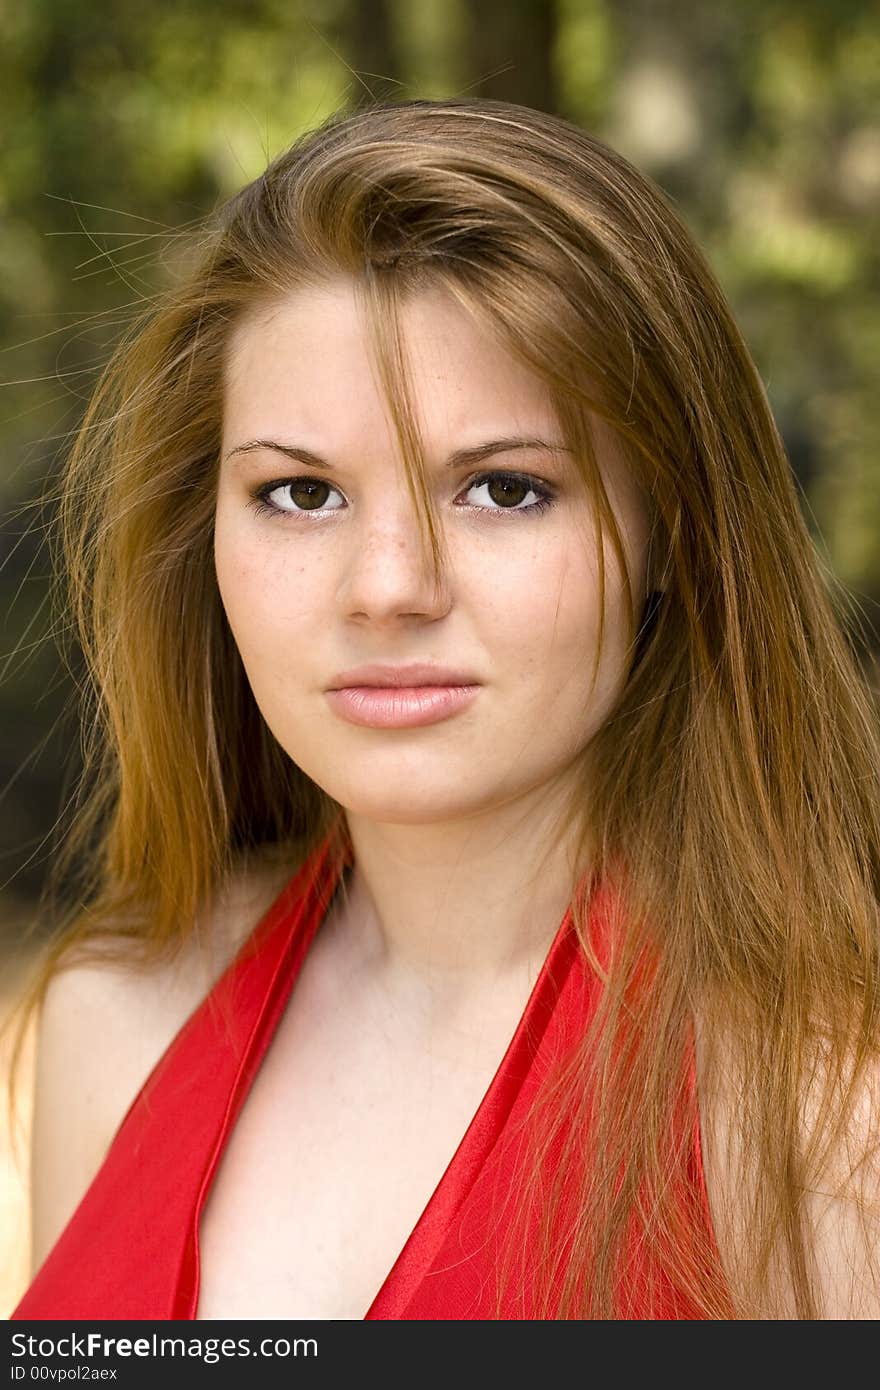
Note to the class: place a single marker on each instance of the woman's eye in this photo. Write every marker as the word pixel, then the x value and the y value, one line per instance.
pixel 508 492
pixel 294 495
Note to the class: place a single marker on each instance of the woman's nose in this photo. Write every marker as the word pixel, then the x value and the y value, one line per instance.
pixel 388 570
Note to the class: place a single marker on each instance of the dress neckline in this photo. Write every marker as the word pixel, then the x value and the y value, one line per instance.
pixel 277 947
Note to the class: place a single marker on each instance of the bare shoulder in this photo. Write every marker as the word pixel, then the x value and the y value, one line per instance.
pixel 102 1028
pixel 842 1201
pixel 839 1203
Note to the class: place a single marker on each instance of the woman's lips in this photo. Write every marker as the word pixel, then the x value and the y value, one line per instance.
pixel 399 707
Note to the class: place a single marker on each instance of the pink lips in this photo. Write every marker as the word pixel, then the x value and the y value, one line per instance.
pixel 400 697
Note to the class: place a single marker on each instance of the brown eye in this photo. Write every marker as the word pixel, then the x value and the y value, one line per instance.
pixel 293 496
pixel 309 493
pixel 507 492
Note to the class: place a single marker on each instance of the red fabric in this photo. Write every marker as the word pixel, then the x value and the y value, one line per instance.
pixel 130 1249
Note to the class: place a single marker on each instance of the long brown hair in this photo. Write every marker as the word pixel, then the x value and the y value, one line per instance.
pixel 738 778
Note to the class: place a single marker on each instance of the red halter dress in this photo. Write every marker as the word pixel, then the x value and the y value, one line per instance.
pixel 131 1248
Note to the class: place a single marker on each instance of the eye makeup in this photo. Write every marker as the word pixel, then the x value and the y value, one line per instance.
pixel 543 493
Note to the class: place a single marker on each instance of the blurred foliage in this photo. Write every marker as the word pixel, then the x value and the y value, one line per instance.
pixel 123 121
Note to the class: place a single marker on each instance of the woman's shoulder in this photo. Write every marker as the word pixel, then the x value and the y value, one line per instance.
pixel 142 1000
pixel 837 1107
pixel 104 1023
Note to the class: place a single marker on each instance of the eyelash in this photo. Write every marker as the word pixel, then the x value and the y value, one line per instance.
pixel 545 495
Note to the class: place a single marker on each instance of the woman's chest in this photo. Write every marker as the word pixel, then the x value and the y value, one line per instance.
pixel 344 1135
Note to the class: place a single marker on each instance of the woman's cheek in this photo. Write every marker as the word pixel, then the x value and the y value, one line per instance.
pixel 273 589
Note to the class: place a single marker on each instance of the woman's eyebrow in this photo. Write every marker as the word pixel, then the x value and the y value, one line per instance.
pixel 461 458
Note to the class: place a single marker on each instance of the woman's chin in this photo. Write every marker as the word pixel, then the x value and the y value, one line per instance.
pixel 406 813
pixel 417 807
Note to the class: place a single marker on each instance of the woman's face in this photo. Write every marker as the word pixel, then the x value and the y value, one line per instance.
pixel 334 576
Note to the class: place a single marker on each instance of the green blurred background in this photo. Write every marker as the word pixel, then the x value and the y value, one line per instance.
pixel 127 119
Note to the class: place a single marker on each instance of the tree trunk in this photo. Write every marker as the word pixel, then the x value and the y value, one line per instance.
pixel 511 51
pixel 370 49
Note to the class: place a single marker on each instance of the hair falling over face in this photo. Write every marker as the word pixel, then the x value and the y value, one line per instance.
pixel 734 795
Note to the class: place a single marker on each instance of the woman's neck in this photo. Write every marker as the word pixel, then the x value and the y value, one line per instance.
pixel 453 907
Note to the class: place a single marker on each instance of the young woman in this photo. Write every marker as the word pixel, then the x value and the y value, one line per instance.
pixel 458 655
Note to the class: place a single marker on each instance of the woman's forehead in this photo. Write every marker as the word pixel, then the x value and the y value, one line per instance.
pixel 309 361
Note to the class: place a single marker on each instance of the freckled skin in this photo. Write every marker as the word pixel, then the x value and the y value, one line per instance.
pixel 307 595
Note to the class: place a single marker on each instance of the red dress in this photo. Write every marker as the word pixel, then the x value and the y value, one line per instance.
pixel 131 1249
